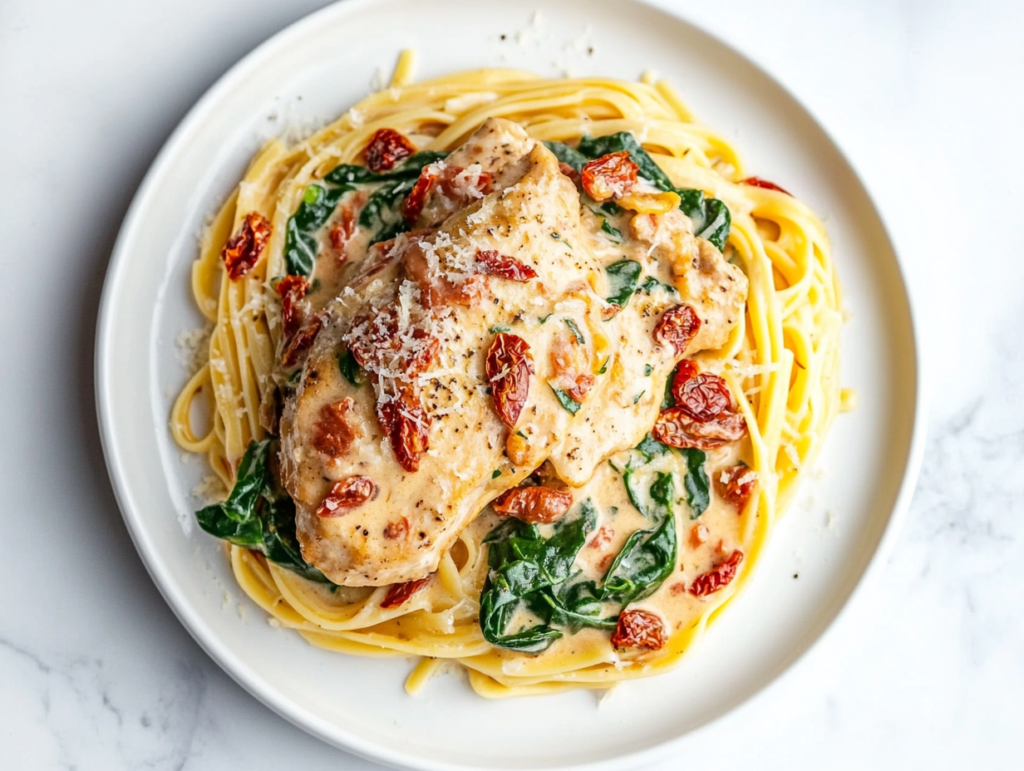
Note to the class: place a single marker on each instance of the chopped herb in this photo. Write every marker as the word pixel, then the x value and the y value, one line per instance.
pixel 499 328
pixel 610 229
pixel 648 369
pixel 350 368
pixel 565 400
pixel 496 474
pixel 696 484
pixel 638 397
pixel 575 331
pixel 622 278
pixel 604 366
pixel 543 319
pixel 520 433
pixel 651 285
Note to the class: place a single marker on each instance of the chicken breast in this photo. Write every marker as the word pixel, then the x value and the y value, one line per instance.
pixel 389 460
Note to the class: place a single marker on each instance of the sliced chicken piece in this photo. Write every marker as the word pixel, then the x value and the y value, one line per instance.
pixel 418 436
pixel 716 289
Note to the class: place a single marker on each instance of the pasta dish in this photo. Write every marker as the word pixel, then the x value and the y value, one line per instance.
pixel 511 373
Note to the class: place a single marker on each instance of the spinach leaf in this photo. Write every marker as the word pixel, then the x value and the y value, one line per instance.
pixel 696 484
pixel 595 147
pixel 663 490
pixel 565 400
pixel 568 155
pixel 524 568
pixel 575 331
pixel 300 245
pixel 711 217
pixel 256 516
pixel 651 284
pixel 381 212
pixel 650 448
pixel 645 561
pixel 611 230
pixel 349 368
pixel 622 279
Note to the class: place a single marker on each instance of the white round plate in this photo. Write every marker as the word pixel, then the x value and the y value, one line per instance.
pixel 314 71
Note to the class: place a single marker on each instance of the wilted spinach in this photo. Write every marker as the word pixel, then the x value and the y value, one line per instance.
pixel 711 218
pixel 381 213
pixel 622 279
pixel 258 516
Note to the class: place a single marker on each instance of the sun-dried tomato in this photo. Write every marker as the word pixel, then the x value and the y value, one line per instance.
pixel 639 629
pixel 413 203
pixel 332 434
pixel 569 171
pixel 676 428
pixel 685 371
pixel 610 176
pixel 345 495
pixel 243 250
pixel 533 504
pixel 758 182
pixel 677 327
pixel 736 485
pixel 502 266
pixel 301 341
pixel 399 593
pixel 703 397
pixel 508 368
pixel 601 538
pixel 406 425
pixel 454 187
pixel 698 535
pixel 291 289
pixel 343 229
pixel 397 529
pixel 424 353
pixel 718 577
pixel 385 149
pixel 570 361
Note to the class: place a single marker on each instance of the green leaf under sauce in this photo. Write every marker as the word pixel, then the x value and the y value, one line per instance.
pixel 350 368
pixel 565 400
pixel 257 516
pixel 622 280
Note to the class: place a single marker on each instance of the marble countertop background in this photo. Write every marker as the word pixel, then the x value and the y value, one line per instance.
pixel 925 670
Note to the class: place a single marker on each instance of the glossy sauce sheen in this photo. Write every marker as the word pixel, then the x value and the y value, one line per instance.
pixel 534 214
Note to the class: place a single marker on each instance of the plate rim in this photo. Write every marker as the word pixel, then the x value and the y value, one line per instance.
pixel 249 679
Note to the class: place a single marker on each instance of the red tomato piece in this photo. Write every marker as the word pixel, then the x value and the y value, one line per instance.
pixel 502 266
pixel 758 182
pixel 291 290
pixel 508 368
pixel 639 629
pixel 610 176
pixel 540 505
pixel 243 250
pixel 345 495
pixel 398 594
pixel 718 577
pixel 385 149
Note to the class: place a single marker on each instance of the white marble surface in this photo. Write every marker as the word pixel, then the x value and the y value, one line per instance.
pixel 925 670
